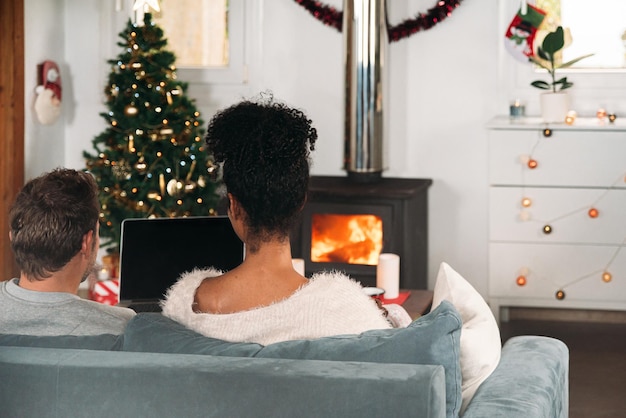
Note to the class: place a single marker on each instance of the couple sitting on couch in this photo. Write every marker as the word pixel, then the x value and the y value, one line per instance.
pixel 265 150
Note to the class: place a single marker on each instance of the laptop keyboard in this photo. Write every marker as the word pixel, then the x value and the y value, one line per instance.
pixel 145 307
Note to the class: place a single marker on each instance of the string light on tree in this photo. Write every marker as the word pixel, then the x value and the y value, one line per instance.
pixel 153 140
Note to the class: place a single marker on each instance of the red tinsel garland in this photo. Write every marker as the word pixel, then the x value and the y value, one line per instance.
pixel 423 21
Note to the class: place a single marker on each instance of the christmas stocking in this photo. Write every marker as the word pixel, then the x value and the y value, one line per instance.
pixel 521 32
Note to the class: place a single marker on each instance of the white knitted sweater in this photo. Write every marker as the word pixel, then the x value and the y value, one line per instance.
pixel 330 304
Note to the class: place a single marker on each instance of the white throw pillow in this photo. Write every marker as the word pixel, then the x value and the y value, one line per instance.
pixel 480 337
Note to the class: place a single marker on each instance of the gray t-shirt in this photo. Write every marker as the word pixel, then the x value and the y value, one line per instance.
pixel 28 312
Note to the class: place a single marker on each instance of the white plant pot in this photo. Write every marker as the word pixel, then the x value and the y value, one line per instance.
pixel 554 106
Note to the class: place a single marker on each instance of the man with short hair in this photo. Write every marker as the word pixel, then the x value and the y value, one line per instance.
pixel 53 229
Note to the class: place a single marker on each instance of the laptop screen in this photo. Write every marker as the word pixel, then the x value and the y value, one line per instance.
pixel 155 252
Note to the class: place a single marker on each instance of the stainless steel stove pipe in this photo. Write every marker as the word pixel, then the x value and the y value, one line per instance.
pixel 365 44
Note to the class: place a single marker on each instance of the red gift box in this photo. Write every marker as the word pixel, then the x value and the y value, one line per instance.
pixel 106 291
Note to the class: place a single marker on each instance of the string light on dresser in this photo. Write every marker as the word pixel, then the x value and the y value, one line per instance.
pixel 593 210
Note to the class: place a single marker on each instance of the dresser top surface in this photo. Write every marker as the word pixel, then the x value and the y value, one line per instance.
pixel 580 124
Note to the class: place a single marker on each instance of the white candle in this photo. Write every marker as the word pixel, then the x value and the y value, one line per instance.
pixel 388 274
pixel 298 265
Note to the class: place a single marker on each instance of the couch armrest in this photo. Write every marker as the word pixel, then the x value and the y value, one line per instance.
pixel 89 383
pixel 530 381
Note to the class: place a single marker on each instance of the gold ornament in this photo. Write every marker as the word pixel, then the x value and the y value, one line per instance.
pixel 162 183
pixel 131 110
pixel 121 170
pixel 154 196
pixel 141 166
pixel 175 187
pixel 190 186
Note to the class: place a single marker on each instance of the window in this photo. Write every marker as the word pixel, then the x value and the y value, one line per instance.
pixel 208 38
pixel 597 28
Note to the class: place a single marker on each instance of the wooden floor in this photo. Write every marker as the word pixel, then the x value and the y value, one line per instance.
pixel 597 362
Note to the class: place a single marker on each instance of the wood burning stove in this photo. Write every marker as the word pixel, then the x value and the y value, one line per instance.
pixel 346 224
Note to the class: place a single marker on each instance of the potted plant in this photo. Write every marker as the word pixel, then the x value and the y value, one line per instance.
pixel 555 102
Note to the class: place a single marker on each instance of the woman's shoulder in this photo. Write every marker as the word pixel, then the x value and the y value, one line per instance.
pixel 181 293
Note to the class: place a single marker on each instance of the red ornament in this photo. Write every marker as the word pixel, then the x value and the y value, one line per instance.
pixel 423 21
pixel 532 164
pixel 593 213
pixel 521 280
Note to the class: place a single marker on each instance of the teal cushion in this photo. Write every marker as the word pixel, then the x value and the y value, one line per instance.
pixel 432 339
pixel 108 342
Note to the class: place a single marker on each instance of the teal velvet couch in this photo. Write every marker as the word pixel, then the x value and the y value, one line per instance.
pixel 160 369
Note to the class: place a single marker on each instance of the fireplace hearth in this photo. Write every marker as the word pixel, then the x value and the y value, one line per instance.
pixel 346 224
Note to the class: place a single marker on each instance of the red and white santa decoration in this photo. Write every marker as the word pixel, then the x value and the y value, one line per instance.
pixel 48 100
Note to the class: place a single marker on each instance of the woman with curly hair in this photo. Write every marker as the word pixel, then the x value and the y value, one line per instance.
pixel 264 147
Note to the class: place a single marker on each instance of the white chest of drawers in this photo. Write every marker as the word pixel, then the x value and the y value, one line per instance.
pixel 541 230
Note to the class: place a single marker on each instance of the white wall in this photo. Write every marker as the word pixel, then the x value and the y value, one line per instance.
pixel 43 26
pixel 443 89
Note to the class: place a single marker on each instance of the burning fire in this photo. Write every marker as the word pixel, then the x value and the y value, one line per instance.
pixel 353 239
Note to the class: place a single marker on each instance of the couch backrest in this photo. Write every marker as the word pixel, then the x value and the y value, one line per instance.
pixel 79 383
pixel 432 339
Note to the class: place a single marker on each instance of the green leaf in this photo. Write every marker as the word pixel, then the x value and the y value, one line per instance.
pixel 554 41
pixel 566 85
pixel 574 61
pixel 540 84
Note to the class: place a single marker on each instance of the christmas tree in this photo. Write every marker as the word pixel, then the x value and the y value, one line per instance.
pixel 150 161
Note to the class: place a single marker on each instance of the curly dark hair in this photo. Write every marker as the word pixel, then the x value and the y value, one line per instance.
pixel 49 218
pixel 264 147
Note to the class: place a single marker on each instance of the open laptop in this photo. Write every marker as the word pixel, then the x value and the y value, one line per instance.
pixel 155 252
